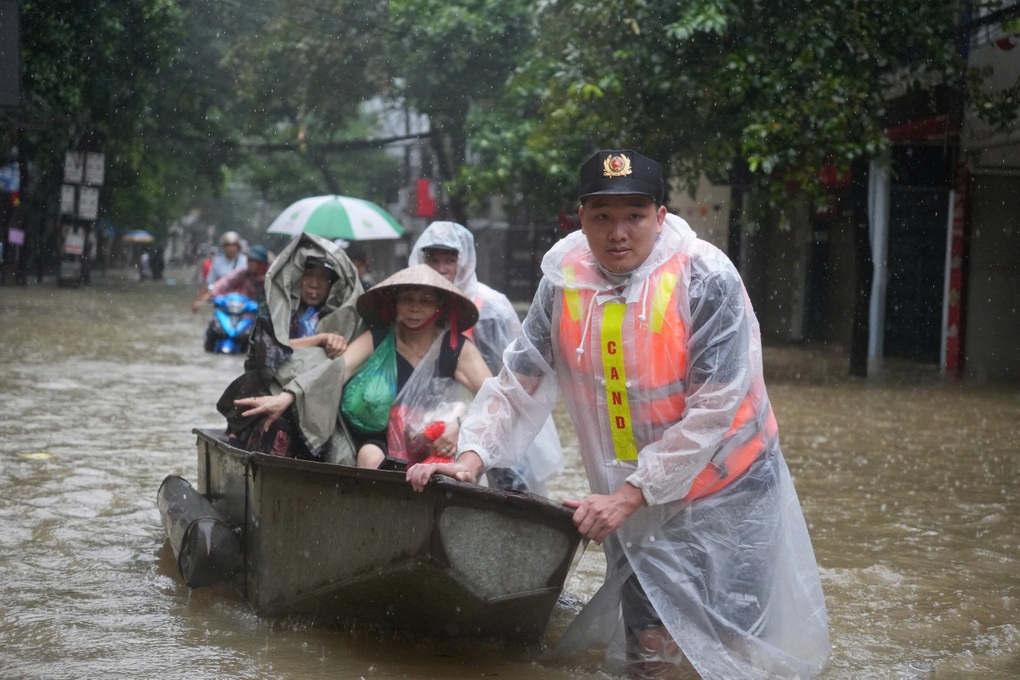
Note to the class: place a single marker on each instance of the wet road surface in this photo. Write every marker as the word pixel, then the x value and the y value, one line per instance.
pixel 910 487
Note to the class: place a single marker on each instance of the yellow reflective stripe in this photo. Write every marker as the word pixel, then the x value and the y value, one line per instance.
pixel 615 374
pixel 571 295
pixel 663 293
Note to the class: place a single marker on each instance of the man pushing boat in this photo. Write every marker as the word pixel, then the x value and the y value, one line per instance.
pixel 649 335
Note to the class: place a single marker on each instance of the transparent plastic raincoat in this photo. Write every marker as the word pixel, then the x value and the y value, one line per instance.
pixel 428 405
pixel 498 325
pixel 724 558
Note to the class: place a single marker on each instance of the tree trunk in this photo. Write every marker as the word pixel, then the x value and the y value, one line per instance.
pixel 321 163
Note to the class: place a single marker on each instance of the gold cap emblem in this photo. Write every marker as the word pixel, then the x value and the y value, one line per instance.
pixel 616 166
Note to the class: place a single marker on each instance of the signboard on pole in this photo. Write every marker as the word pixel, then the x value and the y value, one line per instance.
pixel 74 242
pixel 74 167
pixel 94 165
pixel 68 204
pixel 88 203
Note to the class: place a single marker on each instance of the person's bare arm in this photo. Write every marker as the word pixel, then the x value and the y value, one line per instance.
pixel 471 369
pixel 356 353
pixel 202 298
pixel 333 344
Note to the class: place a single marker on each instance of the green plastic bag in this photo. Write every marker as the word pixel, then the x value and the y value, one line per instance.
pixel 368 396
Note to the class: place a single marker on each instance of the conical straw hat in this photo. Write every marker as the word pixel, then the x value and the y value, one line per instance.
pixel 376 305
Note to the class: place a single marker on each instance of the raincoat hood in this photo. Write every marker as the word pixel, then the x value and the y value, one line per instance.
pixel 676 235
pixel 308 373
pixel 283 286
pixel 450 236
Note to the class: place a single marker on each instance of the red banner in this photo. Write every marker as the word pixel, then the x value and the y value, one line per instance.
pixel 426 202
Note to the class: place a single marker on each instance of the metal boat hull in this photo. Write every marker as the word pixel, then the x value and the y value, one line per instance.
pixel 361 546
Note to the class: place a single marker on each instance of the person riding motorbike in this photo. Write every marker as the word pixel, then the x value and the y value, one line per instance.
pixel 227 260
pixel 250 281
pixel 237 296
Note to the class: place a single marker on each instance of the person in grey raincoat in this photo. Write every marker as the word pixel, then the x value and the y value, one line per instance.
pixel 648 333
pixel 311 426
pixel 449 248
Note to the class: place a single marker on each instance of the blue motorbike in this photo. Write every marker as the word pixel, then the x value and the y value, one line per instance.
pixel 231 324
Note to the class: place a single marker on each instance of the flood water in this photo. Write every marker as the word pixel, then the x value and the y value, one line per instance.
pixel 910 487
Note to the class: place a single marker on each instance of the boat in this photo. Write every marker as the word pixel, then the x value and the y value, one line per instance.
pixel 361 547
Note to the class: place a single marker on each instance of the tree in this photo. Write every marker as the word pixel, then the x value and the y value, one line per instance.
pixel 451 61
pixel 772 92
pixel 179 155
pixel 302 74
pixel 105 76
pixel 782 88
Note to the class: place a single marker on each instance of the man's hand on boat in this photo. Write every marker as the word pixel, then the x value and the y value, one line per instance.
pixel 467 468
pixel 599 515
pixel 272 407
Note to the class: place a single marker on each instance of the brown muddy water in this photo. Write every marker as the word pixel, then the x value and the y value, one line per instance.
pixel 910 487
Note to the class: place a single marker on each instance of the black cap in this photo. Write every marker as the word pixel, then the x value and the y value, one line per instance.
pixel 324 263
pixel 620 171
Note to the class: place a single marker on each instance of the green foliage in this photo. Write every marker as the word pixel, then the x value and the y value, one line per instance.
pixel 109 75
pixel 300 75
pixel 517 92
pixel 780 87
pixel 178 158
pixel 303 70
pixel 175 91
pixel 451 61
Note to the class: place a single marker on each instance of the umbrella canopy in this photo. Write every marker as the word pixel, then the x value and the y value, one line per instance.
pixel 137 236
pixel 344 217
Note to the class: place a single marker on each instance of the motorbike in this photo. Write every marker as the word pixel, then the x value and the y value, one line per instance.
pixel 230 327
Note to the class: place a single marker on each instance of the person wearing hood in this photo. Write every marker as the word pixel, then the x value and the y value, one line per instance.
pixel 304 325
pixel 316 282
pixel 648 334
pixel 449 248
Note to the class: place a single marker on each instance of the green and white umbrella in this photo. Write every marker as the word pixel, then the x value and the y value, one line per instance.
pixel 333 217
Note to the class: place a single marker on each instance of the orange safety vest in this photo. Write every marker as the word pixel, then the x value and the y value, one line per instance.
pixel 650 389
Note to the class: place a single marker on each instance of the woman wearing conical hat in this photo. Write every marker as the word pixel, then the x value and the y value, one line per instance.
pixel 438 369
